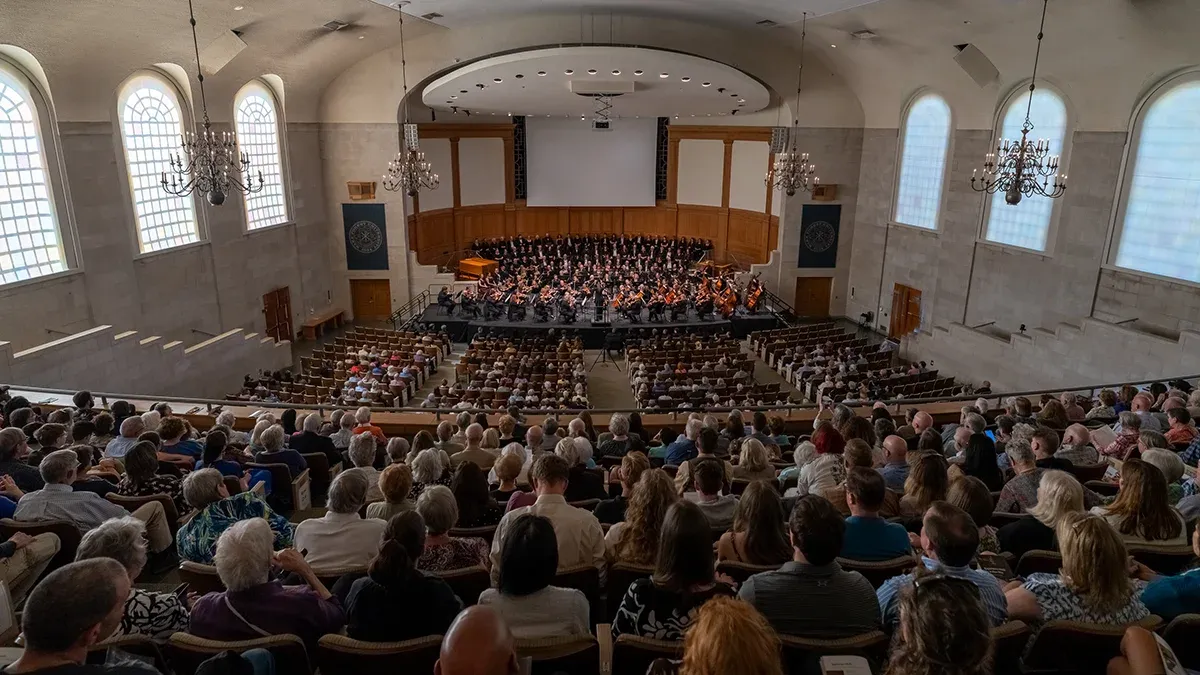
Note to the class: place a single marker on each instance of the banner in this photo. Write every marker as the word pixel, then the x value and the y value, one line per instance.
pixel 819 224
pixel 366 236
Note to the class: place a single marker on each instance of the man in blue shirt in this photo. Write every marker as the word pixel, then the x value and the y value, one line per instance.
pixel 869 537
pixel 895 467
pixel 950 540
pixel 684 447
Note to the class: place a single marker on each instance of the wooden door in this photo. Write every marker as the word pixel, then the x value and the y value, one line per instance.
pixel 906 311
pixel 371 298
pixel 277 311
pixel 812 296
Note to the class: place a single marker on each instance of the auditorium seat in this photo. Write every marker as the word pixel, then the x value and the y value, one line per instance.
pixel 803 654
pixel 1076 647
pixel 338 654
pixel 68 537
pixel 633 654
pixel 1166 560
pixel 1183 634
pixel 1039 561
pixel 1009 639
pixel 467 583
pixel 138 645
pixel 551 656
pixel 485 532
pixel 321 473
pixel 132 504
pixel 1086 473
pixel 880 571
pixel 185 652
pixel 1102 488
pixel 584 578
pixel 621 576
pixel 282 498
pixel 740 571
pixel 200 578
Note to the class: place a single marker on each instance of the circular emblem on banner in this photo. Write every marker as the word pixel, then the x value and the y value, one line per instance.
pixel 365 237
pixel 818 236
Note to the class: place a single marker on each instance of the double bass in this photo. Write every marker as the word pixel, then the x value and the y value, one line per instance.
pixel 726 302
pixel 753 293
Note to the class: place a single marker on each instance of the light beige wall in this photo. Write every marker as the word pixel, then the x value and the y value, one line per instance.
pixel 701 172
pixel 747 169
pixel 481 171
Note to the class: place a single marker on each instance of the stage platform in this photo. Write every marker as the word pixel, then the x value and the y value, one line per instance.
pixel 462 329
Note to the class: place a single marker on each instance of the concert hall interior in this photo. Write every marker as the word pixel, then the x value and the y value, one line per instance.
pixel 763 314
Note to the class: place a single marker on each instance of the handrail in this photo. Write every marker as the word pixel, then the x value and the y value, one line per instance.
pixel 413 306
pixel 897 403
pixel 779 307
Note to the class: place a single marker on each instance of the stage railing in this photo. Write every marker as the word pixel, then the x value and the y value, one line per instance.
pixel 409 311
pixel 778 306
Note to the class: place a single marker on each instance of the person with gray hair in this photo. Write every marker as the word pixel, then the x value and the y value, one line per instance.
pixel 550 436
pixel 151 419
pixel 684 447
pixel 427 470
pixel 363 417
pixel 217 511
pixel 582 483
pixel 341 437
pixel 461 422
pixel 309 440
pixel 439 509
pixel 362 456
pixel 273 452
pixel 74 608
pixel 445 442
pixel 474 452
pixel 526 462
pixel 534 436
pixel 228 419
pixel 1126 443
pixel 131 428
pixel 397 450
pixel 252 605
pixel 1020 493
pixel 341 538
pixel 155 615
pixel 13 449
pixel 621 443
pixel 85 510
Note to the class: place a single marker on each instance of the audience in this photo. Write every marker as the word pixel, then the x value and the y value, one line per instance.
pixel 979 461
pixel 972 496
pixel 1076 446
pixel 895 468
pixel 621 442
pixel 476 507
pixel 395 483
pixel 730 637
pixel 508 470
pixel 754 464
pixel 717 508
pixel 363 417
pixel 216 511
pixel 1020 492
pixel 944 628
pixel 927 483
pixel 1058 495
pixel 478 643
pixel 13 450
pixel 634 540
pixel 428 470
pixel 1141 513
pixel 310 441
pixel 867 535
pixel 362 456
pixel 583 484
pixel 271 451
pixel 633 465
pixel 131 428
pixel 707 448
pixel 758 535
pixel 1126 443
pixel 439 509
pixel 341 538
pixel 828 469
pixel 143 480
pixel 474 451
pixel 684 447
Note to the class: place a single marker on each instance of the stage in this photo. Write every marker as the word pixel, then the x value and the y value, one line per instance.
pixel 462 329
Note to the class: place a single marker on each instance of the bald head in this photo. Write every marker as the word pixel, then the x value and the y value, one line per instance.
pixel 1141 402
pixel 895 450
pixel 922 421
pixel 477 643
pixel 1076 434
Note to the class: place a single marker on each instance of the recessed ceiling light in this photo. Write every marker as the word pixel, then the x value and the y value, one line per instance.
pixel 510 114
pixel 519 76
pixel 637 72
pixel 706 84
pixel 664 75
pixel 581 118
pixel 616 72
pixel 568 71
pixel 541 73
pixel 834 46
pixel 591 71
pixel 677 117
pixel 741 100
pixel 462 91
pixel 497 80
pixel 685 79
pixel 238 8
pixel 453 95
pixel 362 37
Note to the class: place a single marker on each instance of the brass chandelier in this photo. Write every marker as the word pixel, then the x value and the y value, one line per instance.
pixel 409 171
pixel 792 171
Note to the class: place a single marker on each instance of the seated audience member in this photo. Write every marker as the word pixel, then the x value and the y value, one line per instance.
pixel 143 480
pixel 621 442
pixel 706 446
pixel 219 455
pixel 252 605
pixel 664 605
pixel 49 437
pixel 1182 430
pixel 859 454
pixel 522 454
pixel 1171 596
pixel 583 483
pixel 378 606
pixel 341 538
pixel 428 470
pixel 895 467
pixel 149 613
pixel 397 450
pixel 1172 468
pixel 942 622
pixel 474 451
pixel 802 456
pixel 634 540
pixel 310 440
pixel 363 417
pixel 633 465
pixel 1020 493
pixel 272 452
pixel 507 469
pixel 1053 414
pixel 362 456
pixel 1076 446
pixel 730 637
pixel 345 431
pixel 85 510
pixel 151 419
pixel 758 535
pixel 1141 406
pixel 478 643
pixel 684 447
pixel 395 483
pixel 828 469
pixel 755 464
pixel 439 510
pixel 1104 406
pixel 971 495
pixel 476 507
pixel 525 598
pixel 950 540
pixel 812 595
pixel 23 559
pixel 717 508
pixel 580 539
pixel 131 428
pixel 445 438
pixel 74 608
pixel 1075 412
pixel 979 461
pixel 1044 443
pixel 927 482
pixel 84 481
pixel 1058 494
pixel 1093 585
pixel 1141 513
pixel 102 431
pixel 867 535
pixel 1126 443
pixel 217 510
pixel 175 442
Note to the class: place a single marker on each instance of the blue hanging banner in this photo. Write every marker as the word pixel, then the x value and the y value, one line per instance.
pixel 366 236
pixel 819 224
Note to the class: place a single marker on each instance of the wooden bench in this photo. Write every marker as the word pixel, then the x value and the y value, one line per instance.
pixel 315 326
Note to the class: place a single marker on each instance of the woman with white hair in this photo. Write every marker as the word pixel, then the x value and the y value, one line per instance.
pixel 804 453
pixel 363 417
pixel 341 437
pixel 341 538
pixel 1058 494
pixel 439 509
pixel 227 418
pixel 1172 468
pixel 273 451
pixel 583 483
pixel 310 441
pixel 362 456
pixel 259 427
pixel 252 605
pixel 526 462
pixel 217 511
pixel 427 470
pixel 397 450
pixel 150 420
pixel 154 615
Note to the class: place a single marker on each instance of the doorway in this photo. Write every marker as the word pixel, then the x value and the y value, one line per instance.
pixel 812 296
pixel 906 311
pixel 371 299
pixel 277 313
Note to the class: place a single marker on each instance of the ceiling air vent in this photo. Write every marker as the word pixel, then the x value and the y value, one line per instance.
pixel 335 25
pixel 431 16
pixel 864 35
pixel 765 23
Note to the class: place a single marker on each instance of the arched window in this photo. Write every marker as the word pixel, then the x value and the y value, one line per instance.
pixel 926 138
pixel 151 127
pixel 30 244
pixel 1160 227
pixel 1028 223
pixel 258 137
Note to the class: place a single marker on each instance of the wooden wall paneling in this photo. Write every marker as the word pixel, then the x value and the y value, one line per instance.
pixel 593 221
pixel 748 235
pixel 657 221
pixel 436 235
pixel 699 221
pixel 537 221
pixel 478 222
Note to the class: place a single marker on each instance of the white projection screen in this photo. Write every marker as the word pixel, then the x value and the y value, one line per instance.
pixel 569 164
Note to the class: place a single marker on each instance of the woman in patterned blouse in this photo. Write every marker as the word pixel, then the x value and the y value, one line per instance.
pixel 217 510
pixel 443 552
pixel 154 615
pixel 142 480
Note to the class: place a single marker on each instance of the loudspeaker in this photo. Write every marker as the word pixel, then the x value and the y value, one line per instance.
pixel 976 64
pixel 779 139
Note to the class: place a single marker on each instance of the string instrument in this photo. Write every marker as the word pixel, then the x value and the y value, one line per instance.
pixel 728 300
pixel 753 295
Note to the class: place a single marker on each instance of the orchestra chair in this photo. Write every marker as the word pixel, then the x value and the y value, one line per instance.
pixel 185 652
pixel 282 499
pixel 1165 560
pixel 338 654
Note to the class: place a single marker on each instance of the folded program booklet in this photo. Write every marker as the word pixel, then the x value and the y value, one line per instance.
pixel 844 665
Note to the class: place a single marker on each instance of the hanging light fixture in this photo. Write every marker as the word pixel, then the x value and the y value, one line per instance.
pixel 409 171
pixel 1022 168
pixel 210 162
pixel 791 171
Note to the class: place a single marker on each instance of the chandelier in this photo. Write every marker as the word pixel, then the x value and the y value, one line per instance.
pixel 409 171
pixel 1022 168
pixel 791 171
pixel 210 162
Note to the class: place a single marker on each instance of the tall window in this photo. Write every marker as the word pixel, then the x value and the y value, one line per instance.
pixel 1028 224
pixel 258 137
pixel 926 138
pixel 1160 233
pixel 30 245
pixel 151 126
